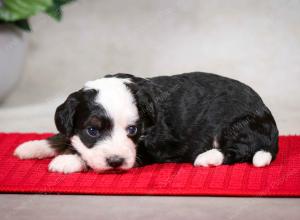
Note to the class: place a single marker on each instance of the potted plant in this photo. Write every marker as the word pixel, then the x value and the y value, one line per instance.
pixel 14 16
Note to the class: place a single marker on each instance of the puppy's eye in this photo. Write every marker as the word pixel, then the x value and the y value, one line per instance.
pixel 93 132
pixel 131 130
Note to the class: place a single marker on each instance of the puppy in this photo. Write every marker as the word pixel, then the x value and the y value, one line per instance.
pixel 121 121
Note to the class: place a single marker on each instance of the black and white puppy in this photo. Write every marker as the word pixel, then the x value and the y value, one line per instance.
pixel 121 121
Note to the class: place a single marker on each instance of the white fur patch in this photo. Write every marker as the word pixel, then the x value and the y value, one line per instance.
pixel 262 158
pixel 34 149
pixel 67 163
pixel 211 157
pixel 215 143
pixel 116 99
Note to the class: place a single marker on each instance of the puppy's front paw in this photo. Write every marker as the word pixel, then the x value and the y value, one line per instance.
pixel 34 149
pixel 67 163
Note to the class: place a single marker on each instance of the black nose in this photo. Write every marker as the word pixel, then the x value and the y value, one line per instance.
pixel 115 161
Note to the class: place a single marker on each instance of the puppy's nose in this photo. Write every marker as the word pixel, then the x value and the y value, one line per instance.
pixel 115 161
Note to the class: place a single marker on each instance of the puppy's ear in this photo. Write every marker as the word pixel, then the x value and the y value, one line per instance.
pixel 146 106
pixel 64 115
pixel 144 94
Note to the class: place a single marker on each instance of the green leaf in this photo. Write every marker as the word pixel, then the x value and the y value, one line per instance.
pixel 63 2
pixel 13 10
pixel 55 10
pixel 23 24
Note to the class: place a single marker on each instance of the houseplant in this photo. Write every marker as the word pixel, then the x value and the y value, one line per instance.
pixel 14 23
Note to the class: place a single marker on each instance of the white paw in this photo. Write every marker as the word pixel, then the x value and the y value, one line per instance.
pixel 67 163
pixel 211 157
pixel 34 149
pixel 262 158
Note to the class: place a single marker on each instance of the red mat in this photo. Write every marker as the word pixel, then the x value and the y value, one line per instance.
pixel 281 178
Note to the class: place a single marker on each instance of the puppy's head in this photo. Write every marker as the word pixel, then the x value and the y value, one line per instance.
pixel 102 122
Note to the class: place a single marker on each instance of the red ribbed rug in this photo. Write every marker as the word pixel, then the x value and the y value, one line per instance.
pixel 281 178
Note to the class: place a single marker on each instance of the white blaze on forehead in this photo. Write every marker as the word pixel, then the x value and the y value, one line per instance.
pixel 116 99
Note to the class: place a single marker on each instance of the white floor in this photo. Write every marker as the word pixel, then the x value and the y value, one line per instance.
pixel 257 42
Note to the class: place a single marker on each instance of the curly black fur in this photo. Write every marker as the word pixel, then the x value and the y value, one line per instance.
pixel 181 116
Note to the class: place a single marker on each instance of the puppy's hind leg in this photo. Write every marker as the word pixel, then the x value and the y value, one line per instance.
pixel 262 158
pixel 212 157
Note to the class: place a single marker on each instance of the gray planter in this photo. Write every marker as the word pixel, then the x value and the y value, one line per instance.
pixel 13 45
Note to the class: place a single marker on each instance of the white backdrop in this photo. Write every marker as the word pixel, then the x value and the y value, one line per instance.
pixel 254 41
